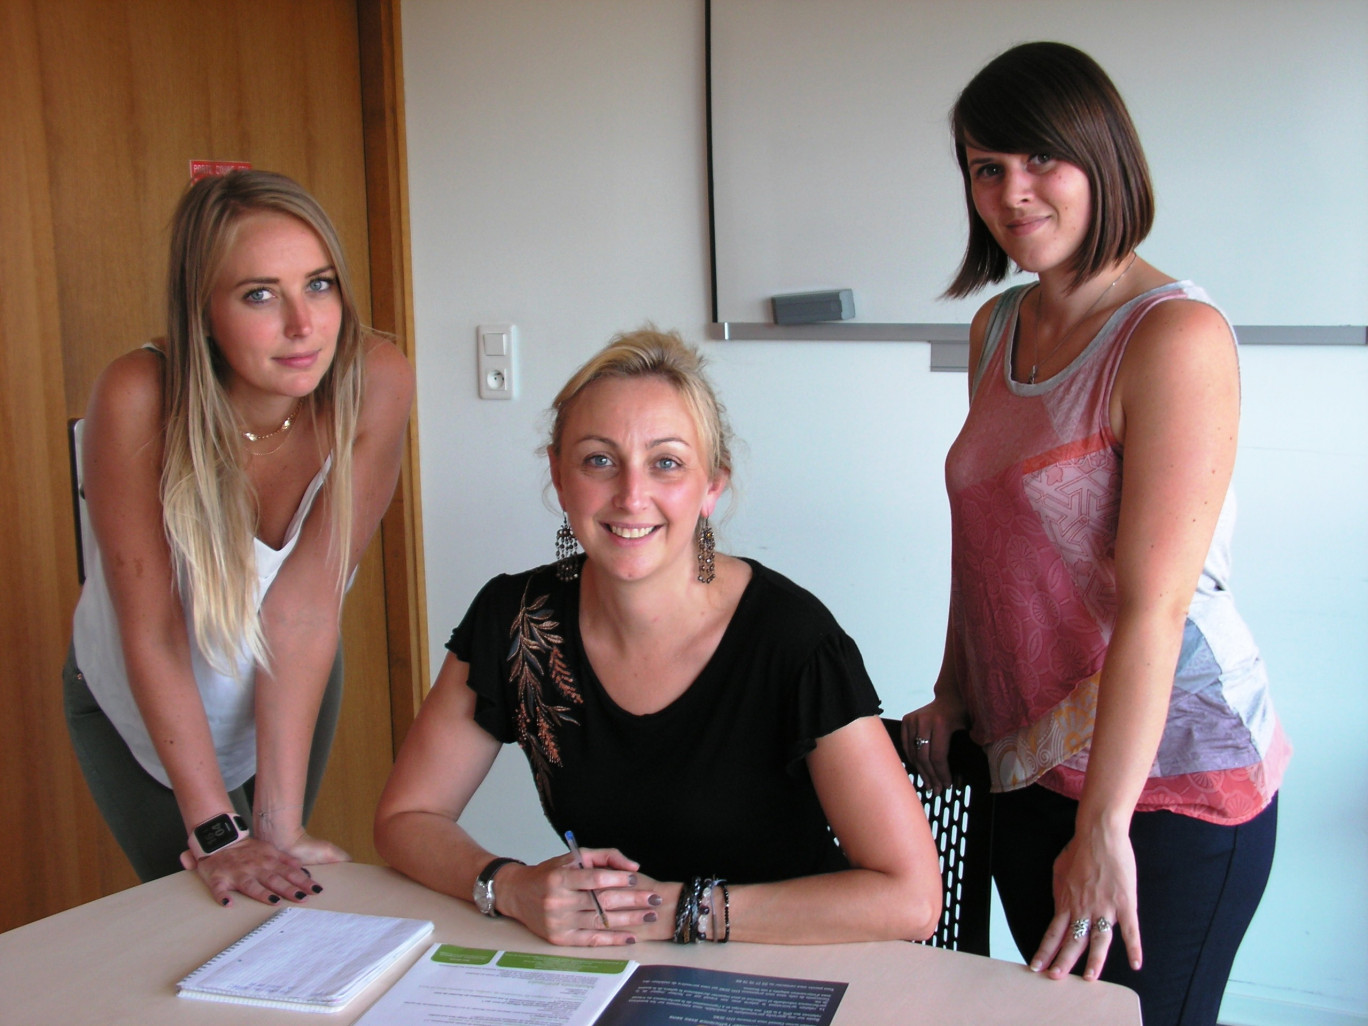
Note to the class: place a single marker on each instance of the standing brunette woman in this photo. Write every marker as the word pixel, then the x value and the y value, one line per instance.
pixel 1093 646
pixel 701 722
pixel 233 478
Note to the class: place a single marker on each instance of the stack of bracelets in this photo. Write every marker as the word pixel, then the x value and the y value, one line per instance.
pixel 696 916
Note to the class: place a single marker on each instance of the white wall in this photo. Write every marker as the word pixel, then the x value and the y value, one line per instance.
pixel 831 146
pixel 557 181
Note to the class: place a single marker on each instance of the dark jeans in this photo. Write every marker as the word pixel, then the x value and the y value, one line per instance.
pixel 142 813
pixel 1198 885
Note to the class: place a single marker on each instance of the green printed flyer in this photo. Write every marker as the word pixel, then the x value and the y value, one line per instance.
pixel 456 986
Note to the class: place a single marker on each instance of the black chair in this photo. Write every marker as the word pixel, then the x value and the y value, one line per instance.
pixel 84 537
pixel 962 826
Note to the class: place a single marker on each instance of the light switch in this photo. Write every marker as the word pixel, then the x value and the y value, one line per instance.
pixel 495 345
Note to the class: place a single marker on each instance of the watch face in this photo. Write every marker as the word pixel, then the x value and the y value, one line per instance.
pixel 484 900
pixel 217 833
pixel 484 886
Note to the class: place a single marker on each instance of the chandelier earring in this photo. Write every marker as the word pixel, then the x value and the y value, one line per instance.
pixel 707 542
pixel 567 569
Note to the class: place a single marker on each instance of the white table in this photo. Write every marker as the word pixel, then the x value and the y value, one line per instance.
pixel 117 960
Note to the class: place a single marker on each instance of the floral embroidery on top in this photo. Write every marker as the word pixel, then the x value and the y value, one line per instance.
pixel 534 659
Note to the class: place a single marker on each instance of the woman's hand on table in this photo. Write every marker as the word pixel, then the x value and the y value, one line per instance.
pixel 553 899
pixel 314 851
pixel 256 869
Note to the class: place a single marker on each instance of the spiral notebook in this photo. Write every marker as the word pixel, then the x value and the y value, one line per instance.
pixel 306 959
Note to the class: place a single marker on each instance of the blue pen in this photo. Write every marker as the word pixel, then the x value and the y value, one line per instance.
pixel 579 861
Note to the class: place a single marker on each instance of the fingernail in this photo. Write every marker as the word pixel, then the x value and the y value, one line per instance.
pixel 274 898
pixel 654 899
pixel 300 895
pixel 631 880
pixel 649 917
pixel 1034 967
pixel 223 901
pixel 306 870
pixel 631 940
pixel 317 889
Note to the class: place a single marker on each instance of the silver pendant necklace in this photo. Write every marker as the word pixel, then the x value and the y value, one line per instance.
pixel 1035 338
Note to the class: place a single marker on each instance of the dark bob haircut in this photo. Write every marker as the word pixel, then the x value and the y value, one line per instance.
pixel 1053 98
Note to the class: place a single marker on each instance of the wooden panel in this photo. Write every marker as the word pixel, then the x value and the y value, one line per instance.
pixel 133 91
pixel 382 99
pixel 44 798
pixel 106 103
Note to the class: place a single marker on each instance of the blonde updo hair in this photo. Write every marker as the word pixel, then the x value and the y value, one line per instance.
pixel 647 352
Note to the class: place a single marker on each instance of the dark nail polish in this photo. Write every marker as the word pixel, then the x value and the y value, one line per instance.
pixel 631 940
pixel 274 898
pixel 631 880
pixel 649 917
pixel 300 895
pixel 654 899
pixel 306 871
pixel 317 889
pixel 223 901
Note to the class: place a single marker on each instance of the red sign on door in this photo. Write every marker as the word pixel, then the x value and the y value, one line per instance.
pixel 208 168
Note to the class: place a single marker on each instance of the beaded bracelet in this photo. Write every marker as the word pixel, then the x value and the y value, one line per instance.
pixel 726 913
pixel 692 908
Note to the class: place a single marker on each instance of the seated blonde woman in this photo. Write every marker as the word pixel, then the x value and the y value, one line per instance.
pixel 701 723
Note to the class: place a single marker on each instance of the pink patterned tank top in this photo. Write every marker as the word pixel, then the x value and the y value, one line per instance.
pixel 1035 491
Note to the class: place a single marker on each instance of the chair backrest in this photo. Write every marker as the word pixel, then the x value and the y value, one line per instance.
pixel 85 539
pixel 961 825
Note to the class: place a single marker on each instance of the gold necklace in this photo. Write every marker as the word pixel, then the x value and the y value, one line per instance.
pixel 1035 338
pixel 270 452
pixel 252 436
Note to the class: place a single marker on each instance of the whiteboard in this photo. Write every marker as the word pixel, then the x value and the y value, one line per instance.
pixel 833 165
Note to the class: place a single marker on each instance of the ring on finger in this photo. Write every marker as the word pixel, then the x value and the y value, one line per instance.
pixel 1102 925
pixel 1079 928
pixel 917 742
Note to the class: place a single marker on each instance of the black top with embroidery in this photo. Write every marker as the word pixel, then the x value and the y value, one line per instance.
pixel 713 784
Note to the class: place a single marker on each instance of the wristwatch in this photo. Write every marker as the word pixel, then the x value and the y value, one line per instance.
pixel 216 834
pixel 484 886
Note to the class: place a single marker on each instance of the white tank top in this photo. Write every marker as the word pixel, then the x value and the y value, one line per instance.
pixel 228 700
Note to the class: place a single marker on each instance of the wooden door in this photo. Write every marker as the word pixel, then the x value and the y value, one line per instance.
pixel 106 103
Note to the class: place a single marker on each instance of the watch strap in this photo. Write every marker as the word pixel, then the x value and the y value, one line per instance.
pixel 484 885
pixel 216 833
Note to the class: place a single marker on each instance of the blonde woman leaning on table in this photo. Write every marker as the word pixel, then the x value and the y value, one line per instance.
pixel 233 475
pixel 1093 645
pixel 701 722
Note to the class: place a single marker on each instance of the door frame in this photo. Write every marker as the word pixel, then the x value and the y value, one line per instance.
pixel 401 531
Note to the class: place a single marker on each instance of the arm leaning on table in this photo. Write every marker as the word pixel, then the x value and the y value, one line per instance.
pixel 123 464
pixel 123 460
pixel 301 614
pixel 891 891
pixel 442 763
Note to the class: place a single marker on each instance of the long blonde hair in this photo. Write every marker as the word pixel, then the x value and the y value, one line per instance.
pixel 208 506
